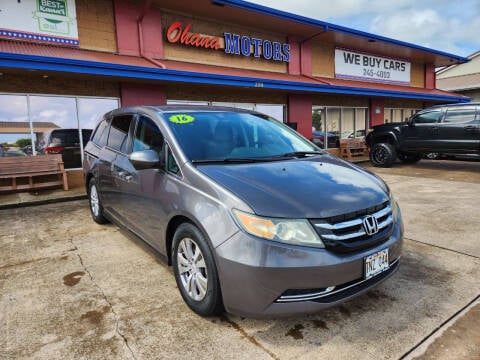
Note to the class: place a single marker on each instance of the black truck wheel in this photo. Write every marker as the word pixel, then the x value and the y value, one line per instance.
pixel 382 155
pixel 409 158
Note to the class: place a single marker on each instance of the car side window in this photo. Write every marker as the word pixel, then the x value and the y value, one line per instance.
pixel 460 115
pixel 101 133
pixel 430 117
pixel 172 165
pixel 147 136
pixel 118 136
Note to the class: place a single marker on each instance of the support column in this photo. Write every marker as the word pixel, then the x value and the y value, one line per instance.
pixel 300 112
pixel 143 94
pixel 376 112
pixel 430 76
pixel 127 14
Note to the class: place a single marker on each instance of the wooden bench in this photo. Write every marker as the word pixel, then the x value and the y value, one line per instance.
pixel 32 172
pixel 353 148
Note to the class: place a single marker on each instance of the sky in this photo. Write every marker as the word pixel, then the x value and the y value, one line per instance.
pixel 446 25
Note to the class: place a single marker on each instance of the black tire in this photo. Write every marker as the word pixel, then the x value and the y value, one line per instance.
pixel 204 300
pixel 96 208
pixel 409 158
pixel 382 155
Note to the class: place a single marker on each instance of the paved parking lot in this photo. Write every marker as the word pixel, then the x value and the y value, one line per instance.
pixel 72 289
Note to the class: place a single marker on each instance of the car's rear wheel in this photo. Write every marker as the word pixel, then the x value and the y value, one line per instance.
pixel 195 271
pixel 382 155
pixel 96 208
pixel 409 158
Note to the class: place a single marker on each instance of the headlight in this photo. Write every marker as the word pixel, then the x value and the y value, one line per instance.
pixel 289 231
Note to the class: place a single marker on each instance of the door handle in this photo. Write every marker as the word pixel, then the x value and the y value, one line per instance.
pixel 124 175
pixel 470 128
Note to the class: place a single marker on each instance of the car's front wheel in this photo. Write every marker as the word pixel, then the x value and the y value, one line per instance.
pixel 382 155
pixel 96 208
pixel 409 158
pixel 195 271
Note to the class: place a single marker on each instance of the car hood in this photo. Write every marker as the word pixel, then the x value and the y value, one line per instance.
pixel 388 126
pixel 316 187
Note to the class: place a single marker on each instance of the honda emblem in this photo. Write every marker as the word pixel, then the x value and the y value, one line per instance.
pixel 370 225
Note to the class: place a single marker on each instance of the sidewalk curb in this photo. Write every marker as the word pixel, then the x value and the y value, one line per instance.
pixel 42 202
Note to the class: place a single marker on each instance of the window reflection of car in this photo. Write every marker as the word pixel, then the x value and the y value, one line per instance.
pixel 318 138
pixel 28 149
pixel 12 153
pixel 65 142
pixel 358 133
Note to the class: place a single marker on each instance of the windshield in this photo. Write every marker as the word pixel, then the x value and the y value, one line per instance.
pixel 218 135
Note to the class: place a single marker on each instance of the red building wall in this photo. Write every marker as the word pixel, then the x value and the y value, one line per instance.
pixel 143 94
pixel 300 112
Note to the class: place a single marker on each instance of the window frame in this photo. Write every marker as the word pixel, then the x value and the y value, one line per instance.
pixel 460 108
pixel 129 133
pixel 439 121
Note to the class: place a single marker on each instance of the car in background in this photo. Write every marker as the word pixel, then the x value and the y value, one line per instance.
pixel 440 129
pixel 65 142
pixel 12 153
pixel 318 138
pixel 253 217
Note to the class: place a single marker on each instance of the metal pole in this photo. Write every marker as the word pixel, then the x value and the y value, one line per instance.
pixel 79 129
pixel 34 150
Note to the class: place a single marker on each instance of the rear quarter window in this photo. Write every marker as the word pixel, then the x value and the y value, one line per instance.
pixel 118 135
pixel 101 133
pixel 65 137
pixel 459 115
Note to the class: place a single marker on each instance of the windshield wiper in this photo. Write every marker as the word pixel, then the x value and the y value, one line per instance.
pixel 226 160
pixel 302 153
pixel 257 159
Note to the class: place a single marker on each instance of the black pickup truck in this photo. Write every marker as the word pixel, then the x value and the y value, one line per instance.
pixel 452 128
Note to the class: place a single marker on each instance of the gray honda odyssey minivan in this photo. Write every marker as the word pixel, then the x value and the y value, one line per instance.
pixel 253 217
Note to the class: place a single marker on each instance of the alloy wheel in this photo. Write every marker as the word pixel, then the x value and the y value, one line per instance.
pixel 94 201
pixel 192 269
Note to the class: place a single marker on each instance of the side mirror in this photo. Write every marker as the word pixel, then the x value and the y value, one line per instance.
pixel 144 159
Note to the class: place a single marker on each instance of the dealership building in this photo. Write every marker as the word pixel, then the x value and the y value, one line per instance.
pixel 65 62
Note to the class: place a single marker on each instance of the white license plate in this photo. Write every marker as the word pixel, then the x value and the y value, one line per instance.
pixel 376 263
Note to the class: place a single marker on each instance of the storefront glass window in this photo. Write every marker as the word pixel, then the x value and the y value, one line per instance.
pixel 333 127
pixel 15 134
pixel 59 124
pixel 387 115
pixel 340 122
pixel 348 123
pixel 276 111
pixel 318 126
pixel 360 122
pixel 398 115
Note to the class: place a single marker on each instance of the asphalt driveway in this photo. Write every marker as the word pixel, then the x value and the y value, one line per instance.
pixel 72 289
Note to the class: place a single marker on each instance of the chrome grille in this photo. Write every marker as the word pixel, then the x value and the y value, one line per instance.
pixel 350 235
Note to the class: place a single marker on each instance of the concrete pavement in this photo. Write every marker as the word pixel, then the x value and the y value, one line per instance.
pixel 72 289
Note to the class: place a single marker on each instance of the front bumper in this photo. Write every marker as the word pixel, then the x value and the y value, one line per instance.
pixel 257 276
